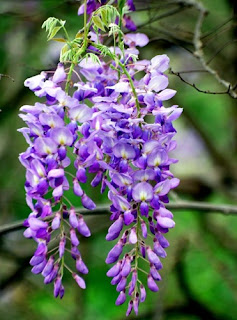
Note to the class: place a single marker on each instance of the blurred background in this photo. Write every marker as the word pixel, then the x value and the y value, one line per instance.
pixel 199 274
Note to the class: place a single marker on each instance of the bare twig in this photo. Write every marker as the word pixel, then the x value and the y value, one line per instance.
pixel 177 206
pixel 162 16
pixel 197 42
pixel 194 85
pixel 216 29
pixel 219 50
pixel 6 76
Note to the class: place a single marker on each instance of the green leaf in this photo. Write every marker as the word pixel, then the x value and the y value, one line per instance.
pixel 107 15
pixel 65 54
pixel 51 27
pixel 121 4
pixel 59 39
pixel 114 29
pixel 93 57
pixel 54 32
pixel 98 22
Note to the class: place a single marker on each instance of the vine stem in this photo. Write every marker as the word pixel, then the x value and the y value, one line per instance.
pixel 125 71
pixel 82 49
pixel 69 76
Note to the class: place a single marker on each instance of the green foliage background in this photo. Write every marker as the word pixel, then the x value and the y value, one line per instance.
pixel 199 275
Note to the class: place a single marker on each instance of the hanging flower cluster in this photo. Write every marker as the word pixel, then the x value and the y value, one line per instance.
pixel 115 125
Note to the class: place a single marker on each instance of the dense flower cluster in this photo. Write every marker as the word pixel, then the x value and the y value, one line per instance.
pixel 45 160
pixel 115 125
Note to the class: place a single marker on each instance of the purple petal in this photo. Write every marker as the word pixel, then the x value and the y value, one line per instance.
pixel 128 218
pixel 77 188
pixel 133 282
pixel 83 228
pixel 121 203
pixel 142 293
pixel 114 253
pixel 144 208
pixel 56 173
pixel 124 150
pixel 81 175
pixel 157 157
pixel 57 286
pixel 45 146
pixel 144 229
pixel 130 306
pixel 82 113
pixel 160 63
pixel 150 145
pixel 87 202
pixel 166 94
pixel 122 179
pixel 136 304
pixel 133 236
pixel 41 249
pixel 73 220
pixel 121 298
pixel 136 39
pixel 51 120
pixel 36 224
pixel 81 267
pixel 144 175
pixel 50 277
pixel 120 87
pixel 142 191
pixel 62 136
pixel 162 188
pixel 81 283
pixel 151 284
pixel 39 267
pixel 112 236
pixel 163 242
pixel 62 244
pixel 59 75
pixel 158 83
pixel 73 237
pixel 158 249
pixel 48 267
pixel 116 279
pixel 165 222
pixel 126 267
pixel 114 271
pixel 155 274
pixel 175 114
pixel 35 260
pixel 35 82
pixel 58 192
pixel 152 257
pixel 122 284
pixel 56 221
pixel 117 226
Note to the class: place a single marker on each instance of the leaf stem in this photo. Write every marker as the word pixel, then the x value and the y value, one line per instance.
pixel 125 71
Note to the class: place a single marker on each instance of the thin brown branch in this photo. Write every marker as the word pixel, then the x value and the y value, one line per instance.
pixel 194 85
pixel 176 206
pixel 162 16
pixel 216 29
pixel 219 50
pixel 198 46
pixel 6 76
pixel 191 71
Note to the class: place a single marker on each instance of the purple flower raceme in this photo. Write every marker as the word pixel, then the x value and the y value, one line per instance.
pixel 103 123
pixel 50 138
pixel 131 158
